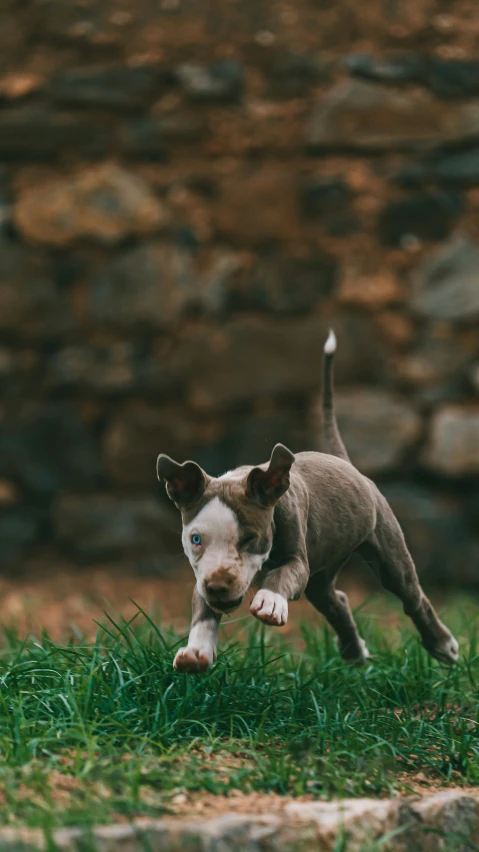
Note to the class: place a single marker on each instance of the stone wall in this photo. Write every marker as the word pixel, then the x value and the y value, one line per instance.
pixel 191 194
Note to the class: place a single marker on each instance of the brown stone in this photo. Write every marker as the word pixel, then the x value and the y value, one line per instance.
pixel 15 86
pixel 453 445
pixel 155 284
pixel 31 303
pixel 30 133
pixel 395 327
pixel 252 357
pixel 282 283
pixel 258 206
pixel 138 434
pixel 148 137
pixel 107 88
pixel 8 493
pixel 103 204
pixel 370 290
pixel 365 116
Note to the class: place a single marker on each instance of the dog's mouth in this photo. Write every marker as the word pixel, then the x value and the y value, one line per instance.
pixel 226 606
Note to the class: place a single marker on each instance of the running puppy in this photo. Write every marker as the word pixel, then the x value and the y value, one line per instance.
pixel 290 525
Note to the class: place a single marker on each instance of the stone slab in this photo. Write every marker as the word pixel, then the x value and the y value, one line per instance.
pixel 428 822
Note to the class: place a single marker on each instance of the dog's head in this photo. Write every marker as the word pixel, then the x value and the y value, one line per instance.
pixel 227 522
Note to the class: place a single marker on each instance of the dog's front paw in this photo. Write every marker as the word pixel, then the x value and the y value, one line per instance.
pixel 193 660
pixel 270 607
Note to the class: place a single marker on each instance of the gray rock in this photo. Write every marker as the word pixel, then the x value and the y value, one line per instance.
pixel 148 137
pixel 108 88
pixel 434 360
pixel 112 370
pixel 103 526
pixel 251 357
pixel 452 448
pixel 329 201
pixel 19 531
pixel 394 69
pixel 423 215
pixel 446 285
pixel 452 78
pixel 108 369
pixel 156 284
pixel 412 175
pixel 445 815
pixel 34 133
pixel 447 78
pixel 31 303
pixel 103 204
pixel 459 169
pixel 221 82
pixel 356 115
pixel 378 428
pixel 437 534
pixel 47 449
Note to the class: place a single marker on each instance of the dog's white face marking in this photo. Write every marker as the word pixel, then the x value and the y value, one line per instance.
pixel 232 474
pixel 212 543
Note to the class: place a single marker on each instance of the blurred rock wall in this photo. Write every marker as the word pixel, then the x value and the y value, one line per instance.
pixel 191 194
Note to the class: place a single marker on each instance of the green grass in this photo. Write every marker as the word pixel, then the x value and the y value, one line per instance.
pixel 89 732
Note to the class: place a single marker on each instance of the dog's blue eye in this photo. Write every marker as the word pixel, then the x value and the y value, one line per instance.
pixel 196 539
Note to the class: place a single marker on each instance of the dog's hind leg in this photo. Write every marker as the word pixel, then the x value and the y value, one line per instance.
pixel 334 605
pixel 387 552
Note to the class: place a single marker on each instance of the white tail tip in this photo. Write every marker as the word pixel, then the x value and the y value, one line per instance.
pixel 330 345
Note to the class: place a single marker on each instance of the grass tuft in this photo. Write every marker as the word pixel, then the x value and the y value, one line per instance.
pixel 96 732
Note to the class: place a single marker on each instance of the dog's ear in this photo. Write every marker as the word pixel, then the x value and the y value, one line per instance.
pixel 185 483
pixel 267 486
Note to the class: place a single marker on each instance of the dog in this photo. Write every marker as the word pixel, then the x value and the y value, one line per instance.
pixel 289 526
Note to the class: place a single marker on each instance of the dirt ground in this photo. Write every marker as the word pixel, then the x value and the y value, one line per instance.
pixel 68 602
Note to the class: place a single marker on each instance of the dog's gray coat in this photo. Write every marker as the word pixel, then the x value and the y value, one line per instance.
pixel 289 526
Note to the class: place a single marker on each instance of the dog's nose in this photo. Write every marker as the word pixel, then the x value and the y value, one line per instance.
pixel 217 588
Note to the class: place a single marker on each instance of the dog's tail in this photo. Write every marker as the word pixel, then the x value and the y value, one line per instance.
pixel 331 441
